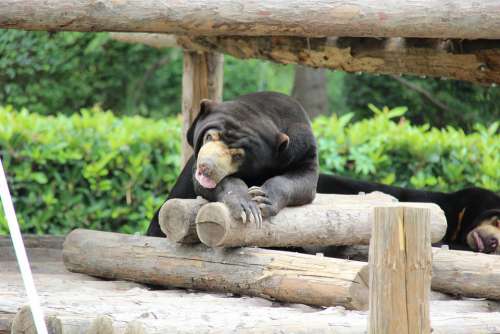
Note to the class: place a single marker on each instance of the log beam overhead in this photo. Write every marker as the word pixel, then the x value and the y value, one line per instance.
pixel 368 18
pixel 470 60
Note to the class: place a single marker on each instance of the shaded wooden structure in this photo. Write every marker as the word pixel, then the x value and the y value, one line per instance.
pixel 456 39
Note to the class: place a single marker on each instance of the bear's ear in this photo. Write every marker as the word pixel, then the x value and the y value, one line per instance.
pixel 206 106
pixel 282 142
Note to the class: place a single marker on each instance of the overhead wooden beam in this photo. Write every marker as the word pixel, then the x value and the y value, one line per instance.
pixel 475 61
pixel 362 18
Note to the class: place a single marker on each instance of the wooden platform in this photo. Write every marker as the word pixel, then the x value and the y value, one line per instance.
pixel 76 303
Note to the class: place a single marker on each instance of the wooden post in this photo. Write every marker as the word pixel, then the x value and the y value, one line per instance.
pixel 400 270
pixel 202 78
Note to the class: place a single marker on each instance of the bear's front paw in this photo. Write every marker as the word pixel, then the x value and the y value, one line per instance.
pixel 242 207
pixel 260 196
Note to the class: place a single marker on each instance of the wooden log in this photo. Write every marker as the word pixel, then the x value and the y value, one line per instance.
pixel 471 60
pixel 400 271
pixel 466 273
pixel 459 273
pixel 369 18
pixel 177 217
pixel 308 225
pixel 202 78
pixel 284 276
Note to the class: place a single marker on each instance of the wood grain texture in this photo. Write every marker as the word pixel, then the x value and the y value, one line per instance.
pixel 202 78
pixel 283 276
pixel 158 41
pixel 357 18
pixel 177 217
pixel 458 273
pixel 400 270
pixel 466 273
pixel 308 225
pixel 475 61
pixel 469 60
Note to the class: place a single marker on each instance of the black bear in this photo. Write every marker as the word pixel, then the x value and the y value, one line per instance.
pixel 473 214
pixel 257 154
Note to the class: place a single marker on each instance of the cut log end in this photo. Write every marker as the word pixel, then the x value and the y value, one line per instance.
pixel 212 223
pixel 176 217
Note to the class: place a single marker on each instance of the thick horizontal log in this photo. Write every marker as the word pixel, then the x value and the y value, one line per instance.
pixel 460 273
pixel 308 225
pixel 475 61
pixel 469 60
pixel 466 273
pixel 177 217
pixel 358 18
pixel 283 276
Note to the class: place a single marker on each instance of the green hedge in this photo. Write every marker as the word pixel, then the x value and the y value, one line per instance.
pixel 96 170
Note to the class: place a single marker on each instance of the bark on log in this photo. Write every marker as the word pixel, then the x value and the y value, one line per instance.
pixel 475 61
pixel 459 273
pixel 284 276
pixel 470 60
pixel 178 216
pixel 202 78
pixel 158 41
pixel 308 225
pixel 370 18
pixel 466 273
pixel 400 271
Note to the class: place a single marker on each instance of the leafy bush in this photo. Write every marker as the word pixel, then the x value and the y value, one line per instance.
pixel 468 103
pixel 96 170
pixel 92 170
pixel 403 154
pixel 52 73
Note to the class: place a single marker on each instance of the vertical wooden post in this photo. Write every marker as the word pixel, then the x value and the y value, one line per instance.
pixel 400 262
pixel 202 78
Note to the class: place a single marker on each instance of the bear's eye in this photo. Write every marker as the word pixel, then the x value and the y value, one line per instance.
pixel 237 156
pixel 208 137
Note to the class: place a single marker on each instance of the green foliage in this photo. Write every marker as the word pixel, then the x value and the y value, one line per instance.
pixel 52 73
pixel 467 103
pixel 96 170
pixel 92 170
pixel 399 153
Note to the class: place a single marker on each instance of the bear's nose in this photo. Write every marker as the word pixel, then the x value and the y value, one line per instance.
pixel 205 167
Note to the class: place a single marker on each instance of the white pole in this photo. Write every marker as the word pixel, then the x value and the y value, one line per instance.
pixel 22 259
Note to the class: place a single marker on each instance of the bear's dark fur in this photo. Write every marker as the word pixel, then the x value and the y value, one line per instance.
pixel 465 209
pixel 279 156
